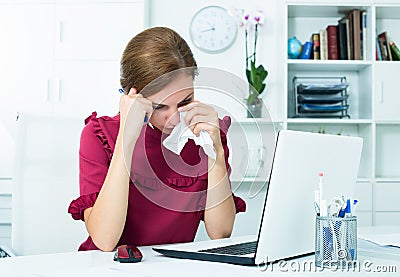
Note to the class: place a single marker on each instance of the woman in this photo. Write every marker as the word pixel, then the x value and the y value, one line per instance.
pixel 135 191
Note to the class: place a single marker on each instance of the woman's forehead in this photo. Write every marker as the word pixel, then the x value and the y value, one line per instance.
pixel 176 90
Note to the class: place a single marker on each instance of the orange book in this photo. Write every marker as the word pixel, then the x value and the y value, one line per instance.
pixel 316 46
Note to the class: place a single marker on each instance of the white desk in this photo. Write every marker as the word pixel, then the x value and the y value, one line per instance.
pixel 97 263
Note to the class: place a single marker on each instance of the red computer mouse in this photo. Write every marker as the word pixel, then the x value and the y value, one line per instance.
pixel 128 254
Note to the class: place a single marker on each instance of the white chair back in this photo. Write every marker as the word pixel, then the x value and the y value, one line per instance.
pixel 45 182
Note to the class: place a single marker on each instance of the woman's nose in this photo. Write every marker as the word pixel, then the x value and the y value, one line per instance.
pixel 174 117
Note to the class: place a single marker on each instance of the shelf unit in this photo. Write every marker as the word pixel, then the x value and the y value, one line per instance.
pixel 373 99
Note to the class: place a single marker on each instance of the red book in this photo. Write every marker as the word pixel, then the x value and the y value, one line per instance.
pixel 333 50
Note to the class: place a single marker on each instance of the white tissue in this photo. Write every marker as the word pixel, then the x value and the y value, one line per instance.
pixel 182 133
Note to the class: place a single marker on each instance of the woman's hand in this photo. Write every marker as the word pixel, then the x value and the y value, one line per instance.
pixel 133 108
pixel 201 117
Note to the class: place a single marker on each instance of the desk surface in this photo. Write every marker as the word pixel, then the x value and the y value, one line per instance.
pixel 372 258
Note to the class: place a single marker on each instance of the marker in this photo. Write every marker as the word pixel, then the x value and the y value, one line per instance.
pixel 342 211
pixel 348 208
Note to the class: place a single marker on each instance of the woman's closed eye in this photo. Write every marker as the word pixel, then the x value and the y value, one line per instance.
pixel 180 104
pixel 158 107
pixel 185 102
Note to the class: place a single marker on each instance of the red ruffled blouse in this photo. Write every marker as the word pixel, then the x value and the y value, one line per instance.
pixel 167 192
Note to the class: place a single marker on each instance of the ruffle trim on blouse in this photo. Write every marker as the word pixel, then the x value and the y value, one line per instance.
pixel 239 204
pixel 173 182
pixel 80 204
pixel 98 131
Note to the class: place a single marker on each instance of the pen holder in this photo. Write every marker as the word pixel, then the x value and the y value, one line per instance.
pixel 335 241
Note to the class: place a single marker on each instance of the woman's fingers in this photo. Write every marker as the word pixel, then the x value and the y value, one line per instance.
pixel 196 109
pixel 132 91
pixel 135 105
pixel 201 117
pixel 200 123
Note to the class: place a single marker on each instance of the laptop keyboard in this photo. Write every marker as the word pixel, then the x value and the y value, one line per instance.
pixel 235 249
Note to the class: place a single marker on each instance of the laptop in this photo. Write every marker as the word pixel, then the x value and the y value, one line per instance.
pixel 287 223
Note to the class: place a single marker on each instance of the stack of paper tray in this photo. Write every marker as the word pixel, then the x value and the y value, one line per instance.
pixel 322 100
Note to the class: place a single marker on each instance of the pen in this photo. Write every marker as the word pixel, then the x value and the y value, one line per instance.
pixel 320 188
pixel 316 207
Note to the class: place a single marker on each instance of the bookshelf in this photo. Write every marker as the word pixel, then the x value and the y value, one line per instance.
pixel 373 97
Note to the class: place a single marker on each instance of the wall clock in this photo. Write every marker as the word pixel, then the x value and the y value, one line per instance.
pixel 213 29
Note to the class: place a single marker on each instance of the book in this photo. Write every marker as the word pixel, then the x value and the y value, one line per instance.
pixel 384 46
pixel 333 53
pixel 364 35
pixel 323 44
pixel 395 51
pixel 355 22
pixel 346 22
pixel 388 46
pixel 316 46
pixel 342 40
pixel 378 50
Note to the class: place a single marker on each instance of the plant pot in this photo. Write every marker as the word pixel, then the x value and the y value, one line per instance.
pixel 254 110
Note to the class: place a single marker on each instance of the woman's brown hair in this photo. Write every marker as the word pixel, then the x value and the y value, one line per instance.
pixel 151 54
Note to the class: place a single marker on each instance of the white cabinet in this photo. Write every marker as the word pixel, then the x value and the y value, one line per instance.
pixel 387 152
pixel 89 42
pixel 63 57
pixel 87 87
pixel 387 91
pixel 26 55
pixel 387 203
pixel 96 31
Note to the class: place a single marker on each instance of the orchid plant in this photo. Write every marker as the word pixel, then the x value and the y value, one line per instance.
pixel 256 75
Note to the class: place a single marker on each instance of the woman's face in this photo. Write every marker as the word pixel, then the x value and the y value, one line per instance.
pixel 166 102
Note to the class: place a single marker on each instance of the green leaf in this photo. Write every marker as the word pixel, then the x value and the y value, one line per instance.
pixel 248 75
pixel 255 77
pixel 262 88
